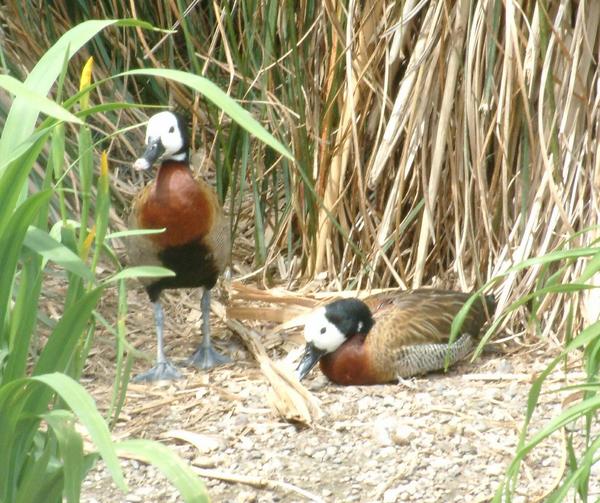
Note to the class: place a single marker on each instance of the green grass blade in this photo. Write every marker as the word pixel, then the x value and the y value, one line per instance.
pixel 11 240
pixel 41 475
pixel 212 92
pixel 178 472
pixel 70 446
pixel 82 404
pixel 41 242
pixel 65 338
pixel 143 271
pixel 37 101
pixel 12 400
pixel 24 316
pixel 13 178
pixel 22 116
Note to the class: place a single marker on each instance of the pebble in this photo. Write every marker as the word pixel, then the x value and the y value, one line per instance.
pixel 390 401
pixel 382 443
pixel 410 488
pixel 440 463
pixel 495 469
pixel 403 434
pixel 208 443
pixel 365 403
pixel 423 398
pixel 387 452
pixel 204 462
pixel 391 495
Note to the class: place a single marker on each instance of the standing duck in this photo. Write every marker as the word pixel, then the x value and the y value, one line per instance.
pixel 195 244
pixel 390 335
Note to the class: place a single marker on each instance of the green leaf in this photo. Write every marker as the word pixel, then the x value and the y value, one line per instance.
pixel 82 404
pixel 134 232
pixel 591 268
pixel 13 177
pixel 42 243
pixel 143 271
pixel 11 241
pixel 179 473
pixel 212 92
pixel 13 396
pixel 70 445
pixel 41 477
pixel 22 116
pixel 38 101
pixel 64 339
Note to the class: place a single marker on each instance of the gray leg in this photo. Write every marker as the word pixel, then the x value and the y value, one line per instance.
pixel 164 369
pixel 205 357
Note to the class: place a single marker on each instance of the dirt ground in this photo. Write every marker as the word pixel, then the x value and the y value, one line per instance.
pixel 442 437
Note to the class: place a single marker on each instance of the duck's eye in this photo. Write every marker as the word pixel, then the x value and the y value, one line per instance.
pixel 172 129
pixel 323 330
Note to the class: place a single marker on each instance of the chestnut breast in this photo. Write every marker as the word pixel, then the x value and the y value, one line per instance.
pixel 351 363
pixel 176 201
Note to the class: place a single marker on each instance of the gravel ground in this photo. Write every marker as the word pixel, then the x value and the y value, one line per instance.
pixel 440 438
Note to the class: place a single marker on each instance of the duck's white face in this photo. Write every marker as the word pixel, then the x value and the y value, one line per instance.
pixel 321 333
pixel 328 327
pixel 164 140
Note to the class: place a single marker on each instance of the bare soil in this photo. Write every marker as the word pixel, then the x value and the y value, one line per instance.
pixel 442 437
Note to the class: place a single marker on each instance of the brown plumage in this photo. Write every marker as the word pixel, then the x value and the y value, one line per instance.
pixel 195 244
pixel 390 335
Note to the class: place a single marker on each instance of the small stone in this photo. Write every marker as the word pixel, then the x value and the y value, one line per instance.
pixel 389 401
pixel 403 434
pixel 204 462
pixel 504 366
pixel 319 455
pixel 144 491
pixel 246 497
pixel 208 443
pixel 448 430
pixel 391 495
pixel 331 451
pixel 423 398
pixel 246 444
pixel 365 403
pixel 387 452
pixel 494 469
pixel 440 463
pixel 409 489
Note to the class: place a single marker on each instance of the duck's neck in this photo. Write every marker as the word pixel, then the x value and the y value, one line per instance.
pixel 171 167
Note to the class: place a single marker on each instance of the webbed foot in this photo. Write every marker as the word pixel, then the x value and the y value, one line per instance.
pixel 205 357
pixel 162 371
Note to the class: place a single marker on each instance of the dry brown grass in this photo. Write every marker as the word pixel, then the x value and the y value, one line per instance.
pixel 449 141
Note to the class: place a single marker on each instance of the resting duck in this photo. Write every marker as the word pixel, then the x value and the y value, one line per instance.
pixel 390 335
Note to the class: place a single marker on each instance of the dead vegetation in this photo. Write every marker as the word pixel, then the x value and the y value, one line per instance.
pixel 437 143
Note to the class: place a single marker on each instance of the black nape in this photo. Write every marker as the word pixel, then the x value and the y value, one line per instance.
pixel 350 316
pixel 185 135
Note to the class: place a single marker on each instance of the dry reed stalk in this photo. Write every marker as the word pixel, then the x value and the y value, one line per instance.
pixel 287 396
pixel 443 164
pixel 457 42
